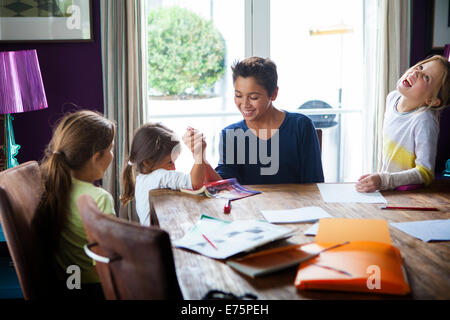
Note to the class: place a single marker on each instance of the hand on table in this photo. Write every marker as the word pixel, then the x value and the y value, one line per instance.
pixel 368 183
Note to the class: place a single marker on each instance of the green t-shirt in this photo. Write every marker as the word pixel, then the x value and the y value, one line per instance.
pixel 73 237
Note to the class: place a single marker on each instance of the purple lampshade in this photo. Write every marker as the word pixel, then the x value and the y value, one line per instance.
pixel 21 87
pixel 447 51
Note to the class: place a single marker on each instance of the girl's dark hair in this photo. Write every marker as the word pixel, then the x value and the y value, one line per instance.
pixel 76 138
pixel 152 142
pixel 263 70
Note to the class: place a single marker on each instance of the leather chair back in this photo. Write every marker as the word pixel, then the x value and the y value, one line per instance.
pixel 20 194
pixel 133 261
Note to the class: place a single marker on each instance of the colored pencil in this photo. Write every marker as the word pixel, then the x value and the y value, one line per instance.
pixel 210 242
pixel 410 208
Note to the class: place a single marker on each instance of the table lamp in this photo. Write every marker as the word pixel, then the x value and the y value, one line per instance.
pixel 21 90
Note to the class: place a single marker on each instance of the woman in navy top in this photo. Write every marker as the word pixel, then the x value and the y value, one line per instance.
pixel 268 146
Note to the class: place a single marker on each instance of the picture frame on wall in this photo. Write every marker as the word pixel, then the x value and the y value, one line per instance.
pixel 46 21
pixel 441 24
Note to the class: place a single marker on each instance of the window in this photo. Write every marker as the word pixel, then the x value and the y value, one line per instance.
pixel 214 111
pixel 318 47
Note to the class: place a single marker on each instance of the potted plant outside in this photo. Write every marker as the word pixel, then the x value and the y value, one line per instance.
pixel 186 56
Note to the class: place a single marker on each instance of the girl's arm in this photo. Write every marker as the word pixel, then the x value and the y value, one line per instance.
pixel 197 175
pixel 392 180
pixel 196 143
pixel 388 180
pixel 201 172
pixel 210 174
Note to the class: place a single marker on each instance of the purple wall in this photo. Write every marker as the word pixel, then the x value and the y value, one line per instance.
pixel 72 73
pixel 421 33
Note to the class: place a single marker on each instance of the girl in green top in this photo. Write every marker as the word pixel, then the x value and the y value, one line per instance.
pixel 78 154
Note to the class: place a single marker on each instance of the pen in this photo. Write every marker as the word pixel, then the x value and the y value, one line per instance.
pixel 294 246
pixel 210 242
pixel 333 247
pixel 410 208
pixel 331 268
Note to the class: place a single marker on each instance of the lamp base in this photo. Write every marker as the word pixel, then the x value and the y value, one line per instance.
pixel 2 143
pixel 12 149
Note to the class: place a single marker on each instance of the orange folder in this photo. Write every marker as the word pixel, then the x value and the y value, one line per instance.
pixel 369 263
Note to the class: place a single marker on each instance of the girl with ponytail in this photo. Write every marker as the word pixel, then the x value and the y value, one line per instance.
pixel 78 154
pixel 153 153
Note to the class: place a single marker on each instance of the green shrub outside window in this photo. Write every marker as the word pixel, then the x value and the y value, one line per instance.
pixel 186 53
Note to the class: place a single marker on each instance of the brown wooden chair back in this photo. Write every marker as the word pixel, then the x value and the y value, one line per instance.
pixel 20 194
pixel 132 261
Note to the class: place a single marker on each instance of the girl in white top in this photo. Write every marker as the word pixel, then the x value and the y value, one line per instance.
pixel 153 153
pixel 411 127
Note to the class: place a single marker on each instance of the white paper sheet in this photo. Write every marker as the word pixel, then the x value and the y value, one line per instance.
pixel 426 230
pixel 313 230
pixel 346 192
pixel 306 214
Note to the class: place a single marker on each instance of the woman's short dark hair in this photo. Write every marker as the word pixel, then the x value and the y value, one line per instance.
pixel 263 70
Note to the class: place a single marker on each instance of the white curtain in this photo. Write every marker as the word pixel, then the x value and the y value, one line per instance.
pixel 124 77
pixel 385 63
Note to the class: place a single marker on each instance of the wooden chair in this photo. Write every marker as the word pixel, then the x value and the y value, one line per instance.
pixel 132 261
pixel 20 194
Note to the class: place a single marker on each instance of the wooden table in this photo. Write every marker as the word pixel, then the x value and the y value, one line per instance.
pixel 427 264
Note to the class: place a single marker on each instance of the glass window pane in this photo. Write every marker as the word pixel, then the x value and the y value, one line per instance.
pixel 318 48
pixel 227 17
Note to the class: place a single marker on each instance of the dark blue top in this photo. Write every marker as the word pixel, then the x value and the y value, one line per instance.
pixel 292 155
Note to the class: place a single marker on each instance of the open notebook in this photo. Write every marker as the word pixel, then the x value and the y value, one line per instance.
pixel 369 263
pixel 220 239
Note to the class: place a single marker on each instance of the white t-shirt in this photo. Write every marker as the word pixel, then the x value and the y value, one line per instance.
pixel 409 145
pixel 158 179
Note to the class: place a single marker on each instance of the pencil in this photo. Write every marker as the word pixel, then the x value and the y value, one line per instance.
pixel 210 242
pixel 290 247
pixel 271 251
pixel 410 208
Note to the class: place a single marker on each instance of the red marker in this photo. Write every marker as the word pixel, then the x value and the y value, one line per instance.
pixel 410 208
pixel 227 208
